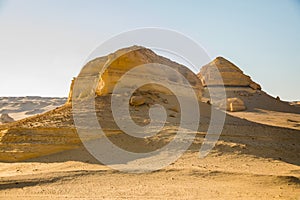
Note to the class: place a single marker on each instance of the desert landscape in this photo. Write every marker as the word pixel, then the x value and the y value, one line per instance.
pixel 256 157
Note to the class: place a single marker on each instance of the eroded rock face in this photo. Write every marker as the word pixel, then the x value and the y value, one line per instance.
pixel 24 143
pixel 122 61
pixel 232 76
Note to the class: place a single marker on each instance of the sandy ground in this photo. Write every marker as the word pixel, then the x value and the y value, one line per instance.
pixel 224 176
pixel 257 157
pixel 273 118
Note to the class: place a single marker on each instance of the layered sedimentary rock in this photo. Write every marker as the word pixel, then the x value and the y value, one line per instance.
pixel 115 65
pixel 25 143
pixel 231 75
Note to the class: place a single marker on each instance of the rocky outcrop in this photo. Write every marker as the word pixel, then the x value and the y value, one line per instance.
pixel 231 75
pixel 24 143
pixel 123 60
pixel 5 118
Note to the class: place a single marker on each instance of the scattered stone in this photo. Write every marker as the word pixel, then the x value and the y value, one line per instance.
pixel 172 115
pixel 234 105
pixel 165 101
pixel 174 109
pixel 137 100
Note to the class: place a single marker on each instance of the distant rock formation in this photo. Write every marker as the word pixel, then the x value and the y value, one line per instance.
pixel 126 59
pixel 22 107
pixel 232 76
pixel 5 118
pixel 295 103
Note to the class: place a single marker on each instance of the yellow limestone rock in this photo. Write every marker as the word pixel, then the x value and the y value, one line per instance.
pixel 126 59
pixel 231 75
pixel 24 143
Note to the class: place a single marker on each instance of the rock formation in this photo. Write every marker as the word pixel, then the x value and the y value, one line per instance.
pixel 122 61
pixel 223 73
pixel 231 75
pixel 295 103
pixel 55 131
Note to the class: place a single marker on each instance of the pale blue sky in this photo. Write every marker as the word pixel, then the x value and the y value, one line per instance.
pixel 43 43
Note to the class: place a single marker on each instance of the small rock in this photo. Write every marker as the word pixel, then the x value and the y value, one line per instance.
pixel 174 108
pixel 234 105
pixel 137 100
pixel 165 101
pixel 172 115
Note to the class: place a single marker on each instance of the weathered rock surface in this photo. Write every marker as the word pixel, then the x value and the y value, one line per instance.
pixel 122 61
pixel 55 130
pixel 231 75
pixel 25 143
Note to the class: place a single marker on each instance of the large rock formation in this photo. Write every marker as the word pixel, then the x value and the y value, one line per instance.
pixel 123 60
pixel 222 73
pixel 231 75
pixel 55 131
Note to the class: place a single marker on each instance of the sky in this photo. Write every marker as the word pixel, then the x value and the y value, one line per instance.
pixel 43 43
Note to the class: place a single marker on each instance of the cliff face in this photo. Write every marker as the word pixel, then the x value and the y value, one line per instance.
pixel 123 60
pixel 232 76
